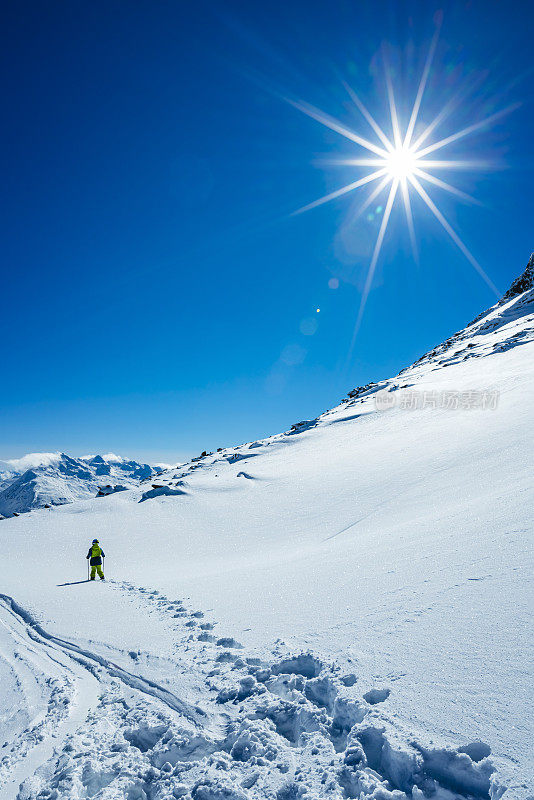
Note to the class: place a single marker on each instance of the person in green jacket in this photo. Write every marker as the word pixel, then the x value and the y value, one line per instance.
pixel 95 555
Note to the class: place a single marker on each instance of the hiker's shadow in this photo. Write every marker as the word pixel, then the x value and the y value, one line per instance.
pixel 74 583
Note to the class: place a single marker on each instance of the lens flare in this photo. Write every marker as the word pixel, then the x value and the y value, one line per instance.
pixel 398 162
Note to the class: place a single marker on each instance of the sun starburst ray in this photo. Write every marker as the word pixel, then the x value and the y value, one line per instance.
pixel 340 192
pixel 355 162
pixel 409 218
pixel 334 125
pixel 421 89
pixel 374 260
pixel 459 164
pixel 453 164
pixel 372 197
pixel 452 233
pixel 421 173
pixel 467 131
pixel 393 112
pixel 370 119
pixel 450 106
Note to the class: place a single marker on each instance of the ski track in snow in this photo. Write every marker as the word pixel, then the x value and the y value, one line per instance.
pixel 293 728
pixel 68 691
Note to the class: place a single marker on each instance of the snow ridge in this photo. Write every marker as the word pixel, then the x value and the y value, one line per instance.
pixel 504 326
pixel 510 322
pixel 523 283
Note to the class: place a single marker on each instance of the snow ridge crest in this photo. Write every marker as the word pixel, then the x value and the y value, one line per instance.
pixel 523 283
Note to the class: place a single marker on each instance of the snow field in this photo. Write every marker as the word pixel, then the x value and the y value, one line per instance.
pixel 354 617
pixel 295 727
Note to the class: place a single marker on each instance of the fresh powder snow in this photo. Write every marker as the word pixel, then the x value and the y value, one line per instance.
pixel 339 611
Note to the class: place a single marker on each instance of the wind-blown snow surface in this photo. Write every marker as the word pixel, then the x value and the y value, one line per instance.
pixel 340 611
pixel 50 479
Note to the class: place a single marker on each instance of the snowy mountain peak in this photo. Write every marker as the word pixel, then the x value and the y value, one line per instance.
pixel 523 283
pixel 510 322
pixel 39 480
pixel 19 465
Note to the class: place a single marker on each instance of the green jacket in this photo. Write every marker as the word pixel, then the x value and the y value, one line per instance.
pixel 95 553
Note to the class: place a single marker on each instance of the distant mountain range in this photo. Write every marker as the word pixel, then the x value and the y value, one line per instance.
pixel 39 480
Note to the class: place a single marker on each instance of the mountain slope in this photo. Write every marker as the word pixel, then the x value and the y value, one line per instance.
pixel 50 479
pixel 355 601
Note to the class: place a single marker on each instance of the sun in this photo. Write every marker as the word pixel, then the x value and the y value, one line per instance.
pixel 400 165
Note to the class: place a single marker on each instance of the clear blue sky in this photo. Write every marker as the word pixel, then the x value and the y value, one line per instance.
pixel 154 281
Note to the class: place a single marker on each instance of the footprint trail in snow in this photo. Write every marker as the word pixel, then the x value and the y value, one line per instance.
pixel 288 728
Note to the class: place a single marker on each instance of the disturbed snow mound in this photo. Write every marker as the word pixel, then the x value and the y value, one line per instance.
pixel 161 491
pixel 292 728
pixel 40 480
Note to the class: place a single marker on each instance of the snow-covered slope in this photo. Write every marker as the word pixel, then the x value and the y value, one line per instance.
pixel 339 611
pixel 50 479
